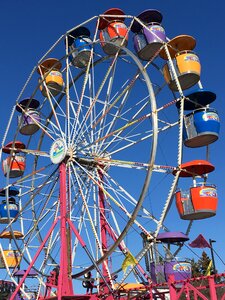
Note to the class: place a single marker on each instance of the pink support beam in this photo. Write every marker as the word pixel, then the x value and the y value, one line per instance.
pixel 33 261
pixel 103 226
pixel 65 287
pixel 172 288
pixel 191 289
pixel 212 288
pixel 89 254
pixel 114 237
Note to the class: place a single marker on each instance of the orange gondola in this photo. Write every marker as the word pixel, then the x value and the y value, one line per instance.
pixel 185 62
pixel 14 165
pixel 113 31
pixel 51 77
pixel 200 200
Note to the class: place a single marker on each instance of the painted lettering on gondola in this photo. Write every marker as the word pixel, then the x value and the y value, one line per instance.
pixel 182 267
pixel 208 192
pixel 210 116
pixel 12 253
pixel 157 28
pixel 119 25
pixel 191 57
pixel 11 207
pixel 19 158
pixel 55 73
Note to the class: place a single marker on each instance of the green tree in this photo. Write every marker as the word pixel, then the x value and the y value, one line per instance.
pixel 200 267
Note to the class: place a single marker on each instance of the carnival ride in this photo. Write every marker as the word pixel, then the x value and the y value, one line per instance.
pixel 92 156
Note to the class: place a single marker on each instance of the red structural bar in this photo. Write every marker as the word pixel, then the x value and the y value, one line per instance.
pixel 65 286
pixel 33 261
pixel 103 226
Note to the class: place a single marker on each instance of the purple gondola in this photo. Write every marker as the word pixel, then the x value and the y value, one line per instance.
pixel 30 117
pixel 148 39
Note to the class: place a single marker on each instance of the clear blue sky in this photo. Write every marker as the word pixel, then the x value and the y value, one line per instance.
pixel 28 28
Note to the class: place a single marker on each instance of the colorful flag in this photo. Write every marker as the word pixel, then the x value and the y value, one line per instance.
pixel 208 271
pixel 200 242
pixel 129 260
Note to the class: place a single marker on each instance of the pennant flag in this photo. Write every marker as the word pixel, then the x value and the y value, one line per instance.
pixel 200 242
pixel 208 271
pixel 129 260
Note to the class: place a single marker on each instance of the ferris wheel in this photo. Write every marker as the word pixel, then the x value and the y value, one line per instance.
pixel 92 155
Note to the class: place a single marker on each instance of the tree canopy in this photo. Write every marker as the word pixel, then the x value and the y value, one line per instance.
pixel 200 267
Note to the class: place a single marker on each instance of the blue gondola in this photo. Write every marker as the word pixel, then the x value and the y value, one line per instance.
pixel 80 46
pixel 8 213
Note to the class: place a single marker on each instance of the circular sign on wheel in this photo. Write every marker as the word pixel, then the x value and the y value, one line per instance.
pixel 58 151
